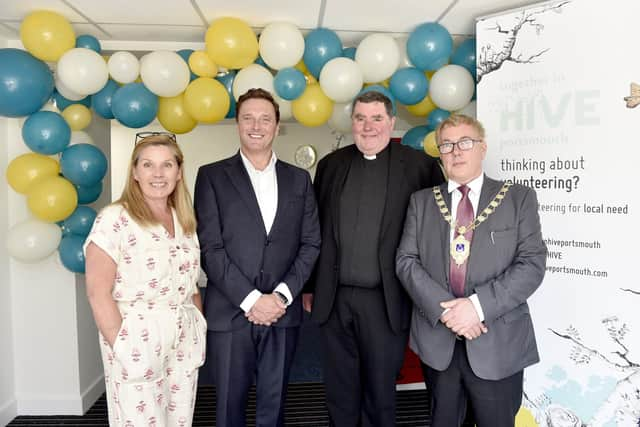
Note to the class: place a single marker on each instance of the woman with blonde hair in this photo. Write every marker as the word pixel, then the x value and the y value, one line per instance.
pixel 142 265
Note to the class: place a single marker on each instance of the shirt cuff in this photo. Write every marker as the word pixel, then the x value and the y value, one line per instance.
pixel 248 301
pixel 476 304
pixel 284 290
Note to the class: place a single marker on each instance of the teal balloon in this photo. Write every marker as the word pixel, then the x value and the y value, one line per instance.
pixel 414 137
pixel 102 100
pixel 62 102
pixel 88 42
pixel 429 46
pixel 227 82
pixel 383 90
pixel 80 221
pixel 46 132
pixel 185 54
pixel 134 105
pixel 349 52
pixel 289 83
pixel 320 46
pixel 409 85
pixel 88 193
pixel 436 117
pixel 71 254
pixel 83 164
pixel 465 56
pixel 26 83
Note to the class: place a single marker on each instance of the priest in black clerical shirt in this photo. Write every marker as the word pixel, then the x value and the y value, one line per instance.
pixel 354 295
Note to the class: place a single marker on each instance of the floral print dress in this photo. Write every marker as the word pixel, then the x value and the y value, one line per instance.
pixel 151 372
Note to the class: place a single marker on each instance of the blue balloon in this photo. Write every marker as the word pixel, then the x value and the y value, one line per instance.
pixel 101 101
pixel 349 52
pixel 134 105
pixel 383 90
pixel 26 83
pixel 289 83
pixel 227 82
pixel 409 85
pixel 83 164
pixel 414 137
pixel 65 231
pixel 260 61
pixel 429 46
pixel 465 56
pixel 320 46
pixel 80 221
pixel 185 54
pixel 436 117
pixel 88 42
pixel 88 194
pixel 46 132
pixel 62 103
pixel 71 254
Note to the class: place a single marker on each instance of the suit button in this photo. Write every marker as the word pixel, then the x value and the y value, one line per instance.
pixel 261 271
pixel 266 242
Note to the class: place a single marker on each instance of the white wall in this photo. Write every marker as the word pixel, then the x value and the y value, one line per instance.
pixel 7 383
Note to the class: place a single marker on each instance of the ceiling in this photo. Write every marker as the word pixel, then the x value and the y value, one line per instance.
pixel 185 21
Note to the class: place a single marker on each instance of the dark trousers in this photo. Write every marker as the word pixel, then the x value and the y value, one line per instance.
pixel 260 352
pixel 362 358
pixel 493 403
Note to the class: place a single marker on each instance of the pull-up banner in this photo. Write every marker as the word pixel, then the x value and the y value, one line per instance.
pixel 557 94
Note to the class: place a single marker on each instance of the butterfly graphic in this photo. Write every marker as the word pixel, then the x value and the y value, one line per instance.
pixel 633 100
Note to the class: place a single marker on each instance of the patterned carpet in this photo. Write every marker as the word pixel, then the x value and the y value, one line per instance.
pixel 305 407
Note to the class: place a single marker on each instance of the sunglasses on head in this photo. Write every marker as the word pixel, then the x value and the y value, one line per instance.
pixel 142 135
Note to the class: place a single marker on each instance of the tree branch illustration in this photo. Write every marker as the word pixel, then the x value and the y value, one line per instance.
pixel 490 60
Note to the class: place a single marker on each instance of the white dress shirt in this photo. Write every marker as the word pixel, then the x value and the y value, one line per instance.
pixel 265 187
pixel 474 197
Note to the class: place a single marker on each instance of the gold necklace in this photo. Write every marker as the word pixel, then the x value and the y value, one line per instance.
pixel 460 246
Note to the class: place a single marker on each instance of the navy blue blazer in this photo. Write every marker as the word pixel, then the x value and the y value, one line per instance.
pixel 238 255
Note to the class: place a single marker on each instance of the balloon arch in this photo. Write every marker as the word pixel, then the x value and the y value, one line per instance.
pixel 314 78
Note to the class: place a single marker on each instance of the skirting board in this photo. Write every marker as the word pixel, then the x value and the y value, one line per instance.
pixel 47 404
pixel 8 411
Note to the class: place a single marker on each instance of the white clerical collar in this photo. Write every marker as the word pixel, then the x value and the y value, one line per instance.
pixel 369 156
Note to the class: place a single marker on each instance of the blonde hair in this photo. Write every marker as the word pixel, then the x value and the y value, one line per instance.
pixel 457 120
pixel 133 200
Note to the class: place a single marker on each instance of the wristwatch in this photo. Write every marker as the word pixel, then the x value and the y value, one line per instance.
pixel 282 297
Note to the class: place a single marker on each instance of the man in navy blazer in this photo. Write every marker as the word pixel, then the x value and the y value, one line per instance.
pixel 470 256
pixel 260 237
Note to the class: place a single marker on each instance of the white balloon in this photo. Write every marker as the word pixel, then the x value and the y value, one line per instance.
pixel 281 45
pixel 451 87
pixel 164 73
pixel 66 92
pixel 83 71
pixel 80 137
pixel 33 240
pixel 341 79
pixel 403 58
pixel 378 56
pixel 124 67
pixel 340 119
pixel 469 110
pixel 285 108
pixel 252 76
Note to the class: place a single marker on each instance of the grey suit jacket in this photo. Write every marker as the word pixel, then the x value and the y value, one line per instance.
pixel 506 265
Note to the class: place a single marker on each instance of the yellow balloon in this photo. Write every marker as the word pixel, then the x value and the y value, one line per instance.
pixel 77 116
pixel 302 67
pixel 430 145
pixel 173 116
pixel 47 35
pixel 52 198
pixel 231 43
pixel 24 170
pixel 422 108
pixel 429 74
pixel 524 418
pixel 202 65
pixel 313 107
pixel 206 100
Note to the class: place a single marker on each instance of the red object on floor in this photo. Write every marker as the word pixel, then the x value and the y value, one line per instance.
pixel 411 371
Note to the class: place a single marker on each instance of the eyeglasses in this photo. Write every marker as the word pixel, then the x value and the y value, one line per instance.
pixel 464 144
pixel 142 135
